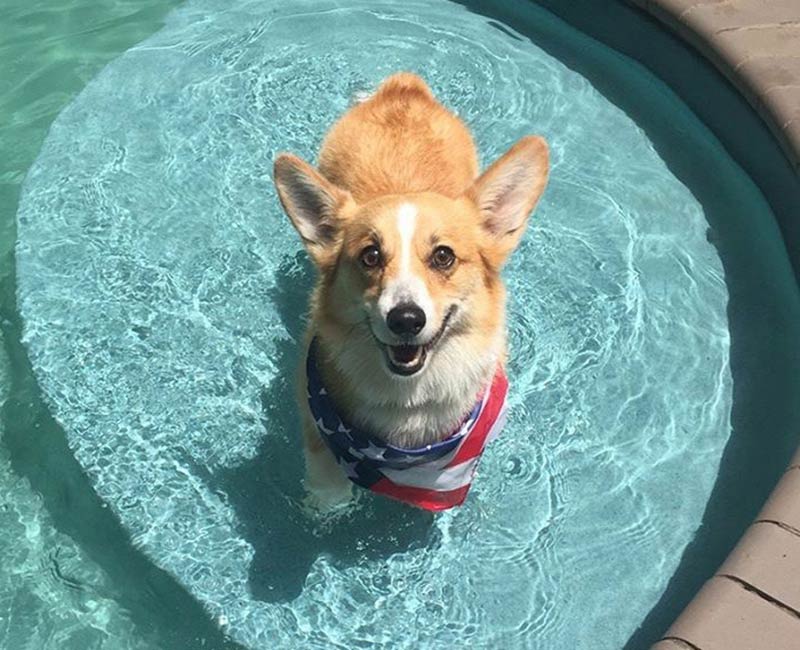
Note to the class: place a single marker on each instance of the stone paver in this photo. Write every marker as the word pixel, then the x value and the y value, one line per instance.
pixel 673 644
pixel 726 616
pixel 765 40
pixel 783 505
pixel 714 17
pixel 768 558
pixel 771 71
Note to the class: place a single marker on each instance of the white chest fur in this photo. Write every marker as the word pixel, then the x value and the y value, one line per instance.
pixel 411 412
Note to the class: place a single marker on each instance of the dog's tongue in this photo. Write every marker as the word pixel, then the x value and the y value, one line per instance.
pixel 405 353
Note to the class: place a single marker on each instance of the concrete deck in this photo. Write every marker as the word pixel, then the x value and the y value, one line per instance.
pixel 756 45
pixel 753 602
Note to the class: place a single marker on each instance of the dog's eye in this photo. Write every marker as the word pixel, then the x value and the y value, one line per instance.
pixel 371 257
pixel 443 257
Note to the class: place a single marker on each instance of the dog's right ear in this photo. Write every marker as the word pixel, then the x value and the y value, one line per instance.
pixel 313 203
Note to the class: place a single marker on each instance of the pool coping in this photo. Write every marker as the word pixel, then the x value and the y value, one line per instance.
pixel 755 45
pixel 753 600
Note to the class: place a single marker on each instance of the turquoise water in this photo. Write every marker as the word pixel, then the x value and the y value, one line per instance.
pixel 161 293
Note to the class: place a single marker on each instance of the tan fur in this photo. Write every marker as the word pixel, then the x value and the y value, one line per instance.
pixel 369 151
pixel 400 172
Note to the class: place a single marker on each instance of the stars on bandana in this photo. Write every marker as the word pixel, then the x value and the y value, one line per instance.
pixel 355 453
pixel 350 469
pixel 373 451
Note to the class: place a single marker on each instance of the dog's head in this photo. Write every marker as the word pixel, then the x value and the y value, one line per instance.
pixel 404 276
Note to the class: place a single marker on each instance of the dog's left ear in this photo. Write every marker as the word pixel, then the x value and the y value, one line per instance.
pixel 507 192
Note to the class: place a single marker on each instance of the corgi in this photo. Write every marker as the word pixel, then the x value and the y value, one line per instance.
pixel 407 328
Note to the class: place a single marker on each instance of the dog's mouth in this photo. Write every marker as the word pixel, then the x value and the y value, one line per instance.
pixel 408 359
pixel 405 359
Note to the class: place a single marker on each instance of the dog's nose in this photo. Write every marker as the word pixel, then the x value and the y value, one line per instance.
pixel 406 319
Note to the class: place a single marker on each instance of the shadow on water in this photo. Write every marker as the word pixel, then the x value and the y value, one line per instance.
pixel 266 492
pixel 156 603
pixel 763 309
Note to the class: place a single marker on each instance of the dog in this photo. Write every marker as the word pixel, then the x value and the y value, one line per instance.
pixel 406 342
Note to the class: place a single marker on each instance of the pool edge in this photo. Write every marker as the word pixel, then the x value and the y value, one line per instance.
pixel 753 600
pixel 753 44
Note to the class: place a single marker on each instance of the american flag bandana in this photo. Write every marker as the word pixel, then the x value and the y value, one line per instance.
pixel 434 477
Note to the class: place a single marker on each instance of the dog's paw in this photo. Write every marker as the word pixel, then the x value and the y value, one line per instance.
pixel 328 500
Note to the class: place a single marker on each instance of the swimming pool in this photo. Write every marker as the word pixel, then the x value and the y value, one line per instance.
pixel 184 292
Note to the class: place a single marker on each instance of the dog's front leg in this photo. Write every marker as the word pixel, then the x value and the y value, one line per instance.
pixel 325 482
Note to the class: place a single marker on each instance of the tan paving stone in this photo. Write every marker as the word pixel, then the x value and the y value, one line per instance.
pixel 671 12
pixel 672 644
pixel 731 15
pixel 783 505
pixel 784 104
pixel 768 558
pixel 772 40
pixel 792 133
pixel 725 616
pixel 681 6
pixel 771 71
